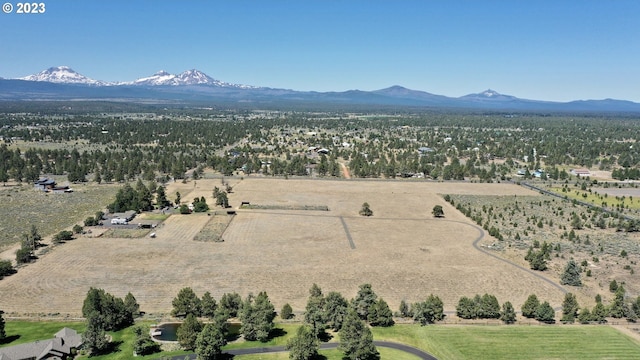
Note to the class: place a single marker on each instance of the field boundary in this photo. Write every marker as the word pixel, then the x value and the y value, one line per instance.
pixel 346 231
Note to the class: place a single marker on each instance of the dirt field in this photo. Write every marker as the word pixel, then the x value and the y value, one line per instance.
pixel 402 251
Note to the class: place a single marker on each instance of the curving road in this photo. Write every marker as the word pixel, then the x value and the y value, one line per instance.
pixel 324 346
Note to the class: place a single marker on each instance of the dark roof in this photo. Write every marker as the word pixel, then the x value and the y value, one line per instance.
pixel 58 347
pixel 45 182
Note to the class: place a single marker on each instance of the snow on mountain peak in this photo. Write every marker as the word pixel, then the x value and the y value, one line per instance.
pixel 66 75
pixel 490 93
pixel 189 77
pixel 62 74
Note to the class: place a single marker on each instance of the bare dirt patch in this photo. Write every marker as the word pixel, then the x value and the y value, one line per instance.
pixel 401 250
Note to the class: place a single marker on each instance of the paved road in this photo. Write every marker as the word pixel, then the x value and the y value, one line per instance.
pixel 324 346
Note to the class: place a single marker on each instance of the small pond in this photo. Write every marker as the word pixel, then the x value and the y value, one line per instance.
pixel 169 331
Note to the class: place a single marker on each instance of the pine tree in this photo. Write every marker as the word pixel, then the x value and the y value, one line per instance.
pixel 3 334
pixel 571 274
pixel 186 302
pixel 381 314
pixel 208 305
pixel 569 308
pixel 287 312
pixel 428 311
pixel 143 344
pixel 545 313
pixel 530 306
pixel 356 340
pixel 304 345
pixel 364 300
pixel 257 316
pixel 617 308
pixel 210 341
pixel 490 307
pixel 131 305
pixel 508 314
pixel 335 310
pixel 314 314
pixel 584 317
pixel 94 338
pixel 599 313
pixel 404 309
pixel 188 332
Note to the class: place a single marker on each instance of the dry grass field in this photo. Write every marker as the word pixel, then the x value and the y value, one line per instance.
pixel 401 250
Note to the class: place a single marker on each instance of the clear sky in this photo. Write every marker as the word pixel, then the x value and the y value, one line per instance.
pixel 556 50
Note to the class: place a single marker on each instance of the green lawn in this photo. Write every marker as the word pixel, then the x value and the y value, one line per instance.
pixel 20 332
pixel 515 342
pixel 456 342
pixel 385 354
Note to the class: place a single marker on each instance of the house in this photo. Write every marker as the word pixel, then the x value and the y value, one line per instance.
pixel 60 347
pixel 580 172
pixel 44 184
pixel 127 215
pixel 423 150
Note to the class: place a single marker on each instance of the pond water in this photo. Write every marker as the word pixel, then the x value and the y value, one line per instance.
pixel 169 331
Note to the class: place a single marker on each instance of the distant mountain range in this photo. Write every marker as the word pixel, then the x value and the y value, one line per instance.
pixel 63 83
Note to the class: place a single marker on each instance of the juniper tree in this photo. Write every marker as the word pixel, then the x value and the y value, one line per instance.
pixel 571 274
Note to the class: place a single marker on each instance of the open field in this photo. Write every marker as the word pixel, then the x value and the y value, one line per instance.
pixel 22 206
pixel 402 251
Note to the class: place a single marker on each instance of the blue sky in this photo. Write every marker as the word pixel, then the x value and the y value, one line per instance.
pixel 546 50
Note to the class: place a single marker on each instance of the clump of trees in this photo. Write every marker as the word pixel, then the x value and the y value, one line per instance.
pixel 478 307
pixel 104 312
pixel 143 344
pixel 6 268
pixel 543 312
pixel 538 258
pixel 30 242
pixel 257 314
pixel 62 236
pixel 128 198
pixel 221 198
pixel 200 205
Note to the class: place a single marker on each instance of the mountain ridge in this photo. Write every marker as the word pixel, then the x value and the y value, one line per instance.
pixel 195 85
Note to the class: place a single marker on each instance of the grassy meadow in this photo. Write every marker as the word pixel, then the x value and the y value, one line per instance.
pixel 22 206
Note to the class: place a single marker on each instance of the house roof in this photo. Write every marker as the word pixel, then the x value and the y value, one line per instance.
pixel 46 181
pixel 57 347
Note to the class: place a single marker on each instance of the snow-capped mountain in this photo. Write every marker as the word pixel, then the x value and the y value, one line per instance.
pixel 62 75
pixel 189 77
pixel 62 82
pixel 488 95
